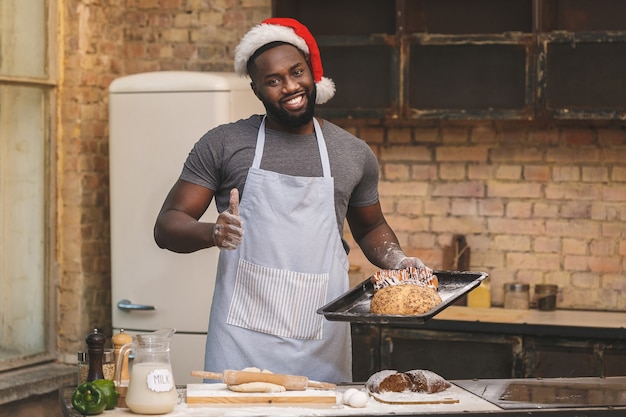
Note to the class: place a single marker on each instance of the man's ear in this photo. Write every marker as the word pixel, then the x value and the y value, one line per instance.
pixel 254 90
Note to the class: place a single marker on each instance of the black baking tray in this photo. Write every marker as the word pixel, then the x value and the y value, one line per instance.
pixel 354 305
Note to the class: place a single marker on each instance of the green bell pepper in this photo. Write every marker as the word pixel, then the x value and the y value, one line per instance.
pixel 108 389
pixel 87 399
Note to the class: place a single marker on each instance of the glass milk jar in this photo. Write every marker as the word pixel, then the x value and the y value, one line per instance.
pixel 151 388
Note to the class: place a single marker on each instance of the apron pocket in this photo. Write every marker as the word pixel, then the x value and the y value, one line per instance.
pixel 277 301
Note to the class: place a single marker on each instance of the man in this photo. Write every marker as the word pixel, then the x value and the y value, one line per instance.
pixel 284 183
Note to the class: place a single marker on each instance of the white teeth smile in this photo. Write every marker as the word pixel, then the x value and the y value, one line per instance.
pixel 294 101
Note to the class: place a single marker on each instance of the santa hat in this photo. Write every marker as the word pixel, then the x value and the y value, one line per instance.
pixel 291 31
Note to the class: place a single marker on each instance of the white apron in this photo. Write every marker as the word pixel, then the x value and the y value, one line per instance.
pixel 290 263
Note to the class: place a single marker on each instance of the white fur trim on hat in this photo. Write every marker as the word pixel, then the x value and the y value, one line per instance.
pixel 262 35
pixel 325 90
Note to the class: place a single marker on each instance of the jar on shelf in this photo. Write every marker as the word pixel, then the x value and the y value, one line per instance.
pixel 108 365
pixel 516 296
pixel 545 296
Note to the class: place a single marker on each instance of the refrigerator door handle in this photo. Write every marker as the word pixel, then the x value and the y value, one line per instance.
pixel 127 306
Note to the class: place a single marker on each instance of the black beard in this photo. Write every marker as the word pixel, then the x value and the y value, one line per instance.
pixel 285 118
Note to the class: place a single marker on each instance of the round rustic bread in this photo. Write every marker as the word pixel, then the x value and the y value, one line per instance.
pixel 406 299
pixel 417 380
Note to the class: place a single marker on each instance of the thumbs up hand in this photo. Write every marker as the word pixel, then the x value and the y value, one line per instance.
pixel 228 230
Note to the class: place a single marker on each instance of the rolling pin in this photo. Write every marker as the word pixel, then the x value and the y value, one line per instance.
pixel 290 382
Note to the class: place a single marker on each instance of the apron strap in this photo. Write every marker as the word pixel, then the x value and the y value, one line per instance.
pixel 321 144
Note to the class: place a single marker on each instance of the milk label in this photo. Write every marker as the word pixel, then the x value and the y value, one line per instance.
pixel 160 380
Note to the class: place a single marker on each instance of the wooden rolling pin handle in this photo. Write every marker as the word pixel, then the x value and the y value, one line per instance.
pixel 321 385
pixel 207 375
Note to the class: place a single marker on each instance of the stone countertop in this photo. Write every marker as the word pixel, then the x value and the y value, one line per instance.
pixel 468 405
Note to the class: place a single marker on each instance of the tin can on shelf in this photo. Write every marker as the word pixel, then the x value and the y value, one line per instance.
pixel 545 296
pixel 516 296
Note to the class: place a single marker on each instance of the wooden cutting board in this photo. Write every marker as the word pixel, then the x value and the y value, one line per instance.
pixel 219 394
pixel 443 397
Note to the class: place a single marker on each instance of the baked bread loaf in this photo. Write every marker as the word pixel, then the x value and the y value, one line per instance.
pixel 404 299
pixel 417 380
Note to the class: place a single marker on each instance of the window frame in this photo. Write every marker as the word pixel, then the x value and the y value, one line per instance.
pixel 48 85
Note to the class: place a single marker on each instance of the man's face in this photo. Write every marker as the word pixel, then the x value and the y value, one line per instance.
pixel 282 80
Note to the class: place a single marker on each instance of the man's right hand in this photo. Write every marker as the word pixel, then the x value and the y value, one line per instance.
pixel 228 229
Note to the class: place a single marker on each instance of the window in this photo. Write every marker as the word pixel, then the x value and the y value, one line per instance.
pixel 470 59
pixel 26 109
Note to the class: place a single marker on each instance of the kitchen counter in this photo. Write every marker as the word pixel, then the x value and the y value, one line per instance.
pixel 578 318
pixel 601 324
pixel 469 404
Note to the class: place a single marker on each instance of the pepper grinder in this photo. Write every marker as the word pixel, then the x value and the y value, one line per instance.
pixel 95 343
pixel 120 340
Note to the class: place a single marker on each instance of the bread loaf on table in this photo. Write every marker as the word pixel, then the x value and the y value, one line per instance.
pixel 417 380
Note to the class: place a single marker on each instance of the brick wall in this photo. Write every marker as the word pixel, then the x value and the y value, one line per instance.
pixel 536 204
pixel 98 42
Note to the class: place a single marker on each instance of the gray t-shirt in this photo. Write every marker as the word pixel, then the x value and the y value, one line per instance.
pixel 221 158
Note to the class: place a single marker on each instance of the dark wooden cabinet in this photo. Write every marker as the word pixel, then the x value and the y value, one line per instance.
pixel 467 350
pixel 470 59
pixel 463 355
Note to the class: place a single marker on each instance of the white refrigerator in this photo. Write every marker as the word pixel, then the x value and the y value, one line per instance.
pixel 154 120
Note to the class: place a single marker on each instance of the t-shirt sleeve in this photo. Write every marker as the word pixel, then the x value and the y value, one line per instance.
pixel 201 166
pixel 366 191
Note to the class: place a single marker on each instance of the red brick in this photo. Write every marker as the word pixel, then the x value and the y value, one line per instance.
pixel 595 174
pixel 395 172
pixel 543 137
pixel 455 135
pixel 490 207
pixel 463 207
pixel 517 243
pixel 457 225
pixel 459 189
pixel 611 137
pixel 461 153
pixel 452 171
pixel 515 226
pixel 614 192
pixel 508 172
pixel 483 134
pixel 545 210
pixel 573 155
pixel 546 244
pixel 618 174
pixel 538 261
pixel 480 171
pixel 406 153
pixel 516 155
pixel 437 206
pixel 390 189
pixel 566 173
pixel 574 228
pixel 399 136
pixel 575 210
pixel 514 189
pixel 519 209
pixel 577 136
pixel 573 191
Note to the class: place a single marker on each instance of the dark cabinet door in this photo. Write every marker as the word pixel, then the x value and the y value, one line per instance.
pixel 365 351
pixel 615 360
pixel 453 355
